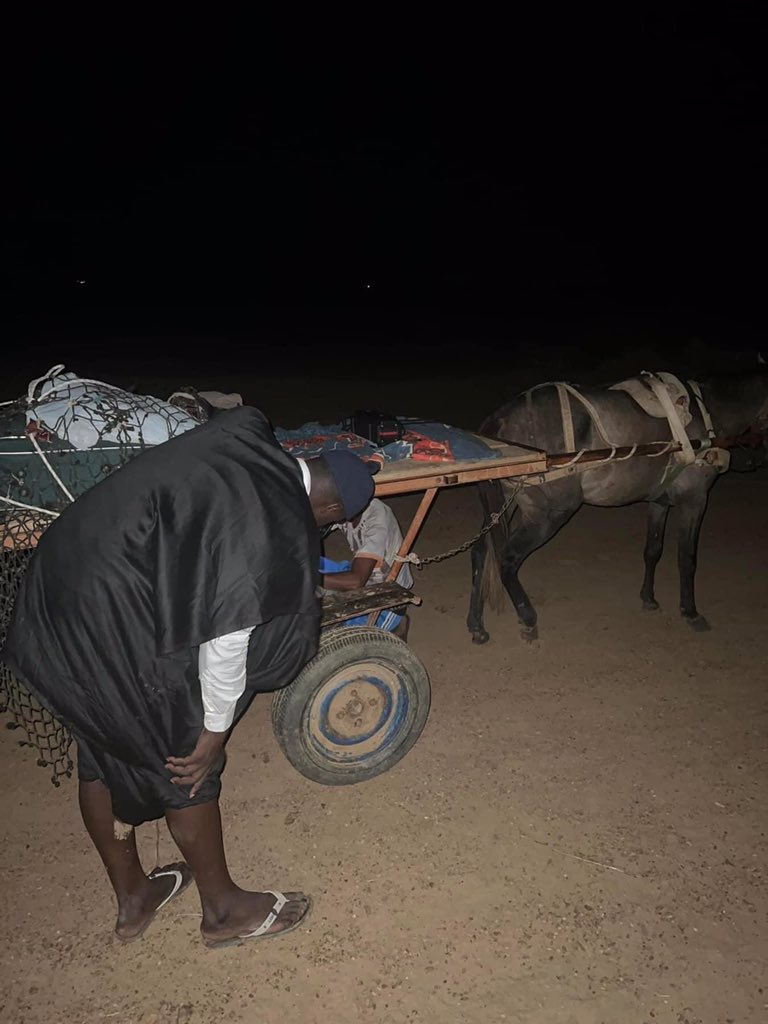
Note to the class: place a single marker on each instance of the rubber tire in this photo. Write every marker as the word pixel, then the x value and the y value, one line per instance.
pixel 338 649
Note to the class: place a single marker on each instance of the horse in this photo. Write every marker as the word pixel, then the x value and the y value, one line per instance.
pixel 529 516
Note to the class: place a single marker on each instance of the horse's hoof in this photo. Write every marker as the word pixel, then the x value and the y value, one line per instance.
pixel 650 606
pixel 529 633
pixel 697 623
pixel 480 636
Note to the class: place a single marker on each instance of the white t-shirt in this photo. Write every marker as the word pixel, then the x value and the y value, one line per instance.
pixel 378 536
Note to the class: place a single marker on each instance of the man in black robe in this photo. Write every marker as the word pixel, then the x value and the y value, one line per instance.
pixel 152 611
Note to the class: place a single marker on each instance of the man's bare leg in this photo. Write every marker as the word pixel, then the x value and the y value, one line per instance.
pixel 228 910
pixel 138 897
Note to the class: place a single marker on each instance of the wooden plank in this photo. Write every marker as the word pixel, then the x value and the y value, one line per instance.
pixel 509 451
pixel 407 476
pixel 338 605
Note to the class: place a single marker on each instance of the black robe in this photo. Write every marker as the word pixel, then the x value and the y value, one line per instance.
pixel 206 534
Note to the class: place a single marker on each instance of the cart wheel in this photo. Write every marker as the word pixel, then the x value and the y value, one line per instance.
pixel 355 710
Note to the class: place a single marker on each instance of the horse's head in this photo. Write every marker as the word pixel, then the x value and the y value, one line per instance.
pixel 761 424
pixel 738 402
pixel 754 455
pixel 761 419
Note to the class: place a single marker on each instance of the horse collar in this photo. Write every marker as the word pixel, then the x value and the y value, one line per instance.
pixel 695 389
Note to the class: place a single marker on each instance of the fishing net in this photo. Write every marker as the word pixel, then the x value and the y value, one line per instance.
pixel 61 438
pixel 39 728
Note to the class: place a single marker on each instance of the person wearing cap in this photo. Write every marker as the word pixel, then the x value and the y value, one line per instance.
pixel 153 610
pixel 341 477
pixel 374 538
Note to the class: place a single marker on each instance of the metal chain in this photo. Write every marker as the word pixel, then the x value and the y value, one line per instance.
pixel 493 521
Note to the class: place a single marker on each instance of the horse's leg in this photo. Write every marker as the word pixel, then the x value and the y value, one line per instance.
pixel 691 512
pixel 475 623
pixel 654 544
pixel 537 524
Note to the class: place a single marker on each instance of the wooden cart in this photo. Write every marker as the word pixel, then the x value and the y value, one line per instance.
pixel 362 702
pixel 360 705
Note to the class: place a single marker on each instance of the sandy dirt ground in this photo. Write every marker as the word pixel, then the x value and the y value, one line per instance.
pixel 578 837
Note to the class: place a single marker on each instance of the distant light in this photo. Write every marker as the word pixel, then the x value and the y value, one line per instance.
pixel 367 286
pixel 80 280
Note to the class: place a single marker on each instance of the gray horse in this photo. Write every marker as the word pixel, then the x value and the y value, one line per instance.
pixel 736 405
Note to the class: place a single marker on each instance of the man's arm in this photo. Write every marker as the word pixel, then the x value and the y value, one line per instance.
pixel 352 579
pixel 221 667
pixel 222 672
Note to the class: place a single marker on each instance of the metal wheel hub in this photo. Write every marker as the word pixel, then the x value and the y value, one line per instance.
pixel 357 711
pixel 356 708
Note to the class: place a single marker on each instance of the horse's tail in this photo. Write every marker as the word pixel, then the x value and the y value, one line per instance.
pixel 491 586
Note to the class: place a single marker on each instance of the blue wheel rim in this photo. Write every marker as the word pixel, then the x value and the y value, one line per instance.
pixel 357 714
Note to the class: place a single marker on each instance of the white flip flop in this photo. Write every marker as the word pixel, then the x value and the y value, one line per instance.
pixel 263 930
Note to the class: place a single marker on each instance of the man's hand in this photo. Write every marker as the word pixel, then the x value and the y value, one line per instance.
pixel 192 770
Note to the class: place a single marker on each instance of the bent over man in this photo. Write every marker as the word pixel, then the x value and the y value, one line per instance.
pixel 153 610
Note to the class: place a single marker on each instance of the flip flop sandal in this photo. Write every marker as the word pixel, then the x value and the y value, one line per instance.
pixel 183 878
pixel 263 932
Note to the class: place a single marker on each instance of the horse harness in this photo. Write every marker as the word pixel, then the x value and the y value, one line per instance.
pixel 661 395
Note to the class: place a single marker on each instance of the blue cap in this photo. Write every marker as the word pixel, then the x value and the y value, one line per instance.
pixel 353 479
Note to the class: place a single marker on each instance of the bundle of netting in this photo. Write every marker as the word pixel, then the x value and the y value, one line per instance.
pixel 58 440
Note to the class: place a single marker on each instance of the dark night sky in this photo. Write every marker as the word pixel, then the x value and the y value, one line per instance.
pixel 584 166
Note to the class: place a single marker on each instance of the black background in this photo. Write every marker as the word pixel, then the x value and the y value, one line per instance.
pixel 470 183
